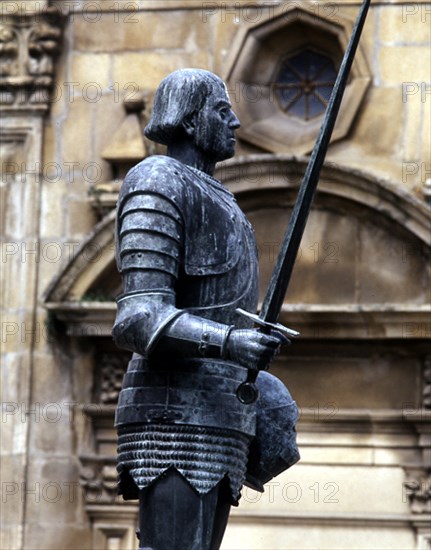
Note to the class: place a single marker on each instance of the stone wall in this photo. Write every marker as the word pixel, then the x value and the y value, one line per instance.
pixel 76 84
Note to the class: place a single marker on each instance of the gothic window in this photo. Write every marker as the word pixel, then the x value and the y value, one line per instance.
pixel 304 82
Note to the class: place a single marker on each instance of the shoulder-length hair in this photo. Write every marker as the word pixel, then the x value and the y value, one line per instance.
pixel 179 95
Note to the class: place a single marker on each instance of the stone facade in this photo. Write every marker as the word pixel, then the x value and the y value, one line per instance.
pixel 76 85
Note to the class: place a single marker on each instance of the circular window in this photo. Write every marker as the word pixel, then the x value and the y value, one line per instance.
pixel 304 83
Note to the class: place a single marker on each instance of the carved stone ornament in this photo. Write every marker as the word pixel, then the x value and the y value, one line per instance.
pixel 98 479
pixel 28 46
pixel 417 488
pixel 426 391
pixel 111 374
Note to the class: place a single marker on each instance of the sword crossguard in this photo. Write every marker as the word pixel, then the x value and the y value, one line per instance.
pixel 248 392
pixel 266 325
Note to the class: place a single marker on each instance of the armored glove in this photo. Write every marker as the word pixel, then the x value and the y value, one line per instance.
pixel 189 335
pixel 253 348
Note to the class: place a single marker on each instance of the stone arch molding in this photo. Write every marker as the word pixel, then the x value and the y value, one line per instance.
pixel 92 259
pixel 255 57
pixel 262 173
pixel 258 181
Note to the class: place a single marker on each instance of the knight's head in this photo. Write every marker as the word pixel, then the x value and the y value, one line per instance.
pixel 193 104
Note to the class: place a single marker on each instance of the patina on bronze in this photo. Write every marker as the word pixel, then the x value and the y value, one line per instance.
pixel 188 260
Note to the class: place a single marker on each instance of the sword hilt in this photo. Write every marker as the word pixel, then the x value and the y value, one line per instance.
pixel 248 392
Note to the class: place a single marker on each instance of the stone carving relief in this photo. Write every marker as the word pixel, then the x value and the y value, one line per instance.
pixel 112 371
pixel 9 50
pixel 417 487
pixel 111 518
pixel 28 46
pixel 98 479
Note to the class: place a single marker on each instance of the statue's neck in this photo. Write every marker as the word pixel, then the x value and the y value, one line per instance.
pixel 188 153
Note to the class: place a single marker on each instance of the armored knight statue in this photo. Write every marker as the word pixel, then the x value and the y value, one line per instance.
pixel 188 260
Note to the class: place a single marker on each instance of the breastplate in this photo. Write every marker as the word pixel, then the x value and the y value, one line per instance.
pixel 220 271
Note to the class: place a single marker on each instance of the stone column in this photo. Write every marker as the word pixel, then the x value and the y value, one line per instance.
pixel 30 34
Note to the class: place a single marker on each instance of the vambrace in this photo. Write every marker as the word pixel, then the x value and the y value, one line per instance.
pixel 192 336
pixel 149 324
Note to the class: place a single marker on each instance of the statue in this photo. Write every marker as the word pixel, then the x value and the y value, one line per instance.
pixel 188 260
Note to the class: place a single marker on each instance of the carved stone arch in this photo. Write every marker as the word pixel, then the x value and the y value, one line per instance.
pixel 93 257
pixel 255 56
pixel 261 173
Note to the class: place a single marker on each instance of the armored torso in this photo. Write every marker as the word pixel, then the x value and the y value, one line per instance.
pixel 208 248
pixel 183 245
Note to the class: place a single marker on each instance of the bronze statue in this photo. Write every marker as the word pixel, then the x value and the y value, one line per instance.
pixel 187 256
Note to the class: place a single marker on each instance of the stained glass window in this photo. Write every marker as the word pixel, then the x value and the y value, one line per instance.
pixel 304 83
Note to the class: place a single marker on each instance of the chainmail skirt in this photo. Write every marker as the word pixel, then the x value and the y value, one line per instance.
pixel 203 455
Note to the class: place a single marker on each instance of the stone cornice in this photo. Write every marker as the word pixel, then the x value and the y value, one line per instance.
pixel 357 520
pixel 346 321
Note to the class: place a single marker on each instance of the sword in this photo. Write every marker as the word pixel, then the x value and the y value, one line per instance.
pixel 247 392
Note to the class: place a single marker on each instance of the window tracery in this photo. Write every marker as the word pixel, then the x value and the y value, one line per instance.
pixel 304 82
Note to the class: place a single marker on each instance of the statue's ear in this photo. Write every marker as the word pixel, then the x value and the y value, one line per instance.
pixel 189 124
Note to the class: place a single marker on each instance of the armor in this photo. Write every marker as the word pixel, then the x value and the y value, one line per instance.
pixel 274 448
pixel 188 259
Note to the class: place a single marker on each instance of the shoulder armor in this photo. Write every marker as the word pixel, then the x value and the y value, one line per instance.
pixel 156 175
pixel 210 219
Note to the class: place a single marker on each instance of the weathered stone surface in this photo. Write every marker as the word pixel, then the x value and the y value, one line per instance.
pixel 401 63
pixel 352 382
pixel 425 150
pixel 52 214
pixel 147 69
pixel 405 23
pixel 413 109
pixel 390 269
pixel 108 126
pixel 98 35
pixel 314 489
pixel 244 534
pixel 379 129
pixel 80 217
pixel 89 70
pixel 224 28
pixel 77 137
pixel 47 536
pixel 182 30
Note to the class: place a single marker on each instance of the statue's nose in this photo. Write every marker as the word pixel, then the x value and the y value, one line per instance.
pixel 234 123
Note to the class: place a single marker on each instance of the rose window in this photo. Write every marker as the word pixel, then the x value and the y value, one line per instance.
pixel 304 83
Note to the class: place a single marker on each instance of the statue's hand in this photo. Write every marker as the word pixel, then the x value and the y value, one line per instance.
pixel 254 349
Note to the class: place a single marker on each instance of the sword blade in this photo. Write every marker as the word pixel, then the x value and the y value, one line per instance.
pixel 282 273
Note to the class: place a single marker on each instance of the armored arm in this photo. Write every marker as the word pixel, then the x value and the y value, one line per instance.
pixel 150 235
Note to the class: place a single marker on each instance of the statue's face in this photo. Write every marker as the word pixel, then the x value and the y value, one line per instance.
pixel 216 125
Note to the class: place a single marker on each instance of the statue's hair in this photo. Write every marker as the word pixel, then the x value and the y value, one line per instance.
pixel 179 95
